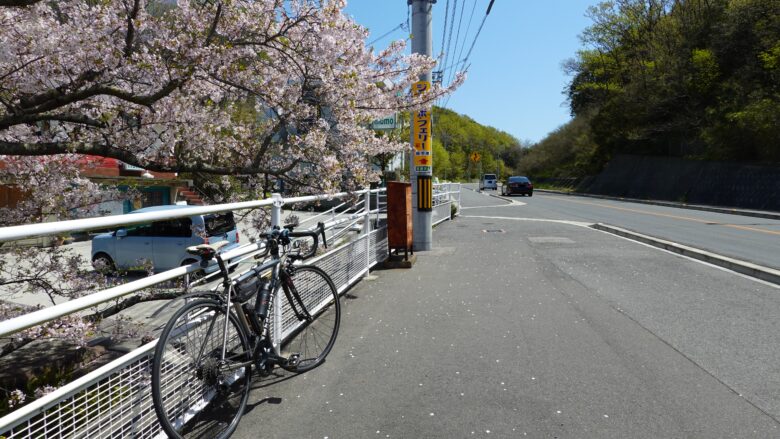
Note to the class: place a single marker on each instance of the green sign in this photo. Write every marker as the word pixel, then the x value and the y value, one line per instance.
pixel 385 124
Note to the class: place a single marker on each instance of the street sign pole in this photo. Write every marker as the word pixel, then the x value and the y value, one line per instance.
pixel 421 165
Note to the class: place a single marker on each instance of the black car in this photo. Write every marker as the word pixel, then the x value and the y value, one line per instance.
pixel 518 185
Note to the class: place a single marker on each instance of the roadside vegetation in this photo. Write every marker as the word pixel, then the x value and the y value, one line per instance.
pixel 455 137
pixel 696 79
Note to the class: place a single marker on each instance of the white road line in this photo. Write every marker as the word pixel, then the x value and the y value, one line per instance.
pixel 584 224
pixel 543 220
pixel 513 203
pixel 754 279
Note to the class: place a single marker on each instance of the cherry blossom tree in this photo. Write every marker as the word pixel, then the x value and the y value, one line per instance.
pixel 233 89
pixel 221 87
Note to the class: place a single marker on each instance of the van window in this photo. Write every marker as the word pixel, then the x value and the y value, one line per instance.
pixel 140 230
pixel 175 228
pixel 489 177
pixel 219 224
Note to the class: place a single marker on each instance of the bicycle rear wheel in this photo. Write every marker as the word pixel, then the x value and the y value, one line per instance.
pixel 316 299
pixel 195 393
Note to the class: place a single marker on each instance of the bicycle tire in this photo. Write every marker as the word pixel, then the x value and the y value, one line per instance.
pixel 192 397
pixel 312 340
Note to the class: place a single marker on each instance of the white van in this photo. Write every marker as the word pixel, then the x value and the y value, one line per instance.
pixel 488 181
pixel 164 243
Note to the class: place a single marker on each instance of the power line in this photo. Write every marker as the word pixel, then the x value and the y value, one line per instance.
pixel 444 32
pixel 457 35
pixel 400 26
pixel 452 26
pixel 468 54
pixel 468 27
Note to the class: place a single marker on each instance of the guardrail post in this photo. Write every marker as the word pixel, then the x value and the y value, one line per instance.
pixel 449 198
pixel 367 212
pixel 276 220
pixel 460 191
pixel 276 210
pixel 367 229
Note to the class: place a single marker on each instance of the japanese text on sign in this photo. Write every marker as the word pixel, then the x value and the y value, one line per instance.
pixel 421 125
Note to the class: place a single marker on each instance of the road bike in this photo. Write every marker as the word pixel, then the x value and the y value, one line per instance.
pixel 203 361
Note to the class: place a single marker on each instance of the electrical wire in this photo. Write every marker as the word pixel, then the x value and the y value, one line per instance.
pixel 452 26
pixel 473 43
pixel 400 26
pixel 468 54
pixel 457 34
pixel 444 32
pixel 468 28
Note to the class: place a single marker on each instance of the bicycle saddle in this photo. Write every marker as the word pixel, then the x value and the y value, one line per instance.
pixel 206 251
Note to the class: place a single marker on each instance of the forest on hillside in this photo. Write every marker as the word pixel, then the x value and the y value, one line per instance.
pixel 455 137
pixel 695 79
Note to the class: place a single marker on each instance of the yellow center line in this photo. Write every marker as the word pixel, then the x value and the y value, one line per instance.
pixel 684 218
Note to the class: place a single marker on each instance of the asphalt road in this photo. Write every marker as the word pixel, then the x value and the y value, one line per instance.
pixel 745 238
pixel 522 325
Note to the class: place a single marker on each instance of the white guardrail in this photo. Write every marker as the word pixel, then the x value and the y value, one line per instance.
pixel 115 400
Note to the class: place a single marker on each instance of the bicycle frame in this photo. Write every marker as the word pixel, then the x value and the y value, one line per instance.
pixel 251 325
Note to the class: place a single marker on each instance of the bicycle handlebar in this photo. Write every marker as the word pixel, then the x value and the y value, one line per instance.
pixel 283 237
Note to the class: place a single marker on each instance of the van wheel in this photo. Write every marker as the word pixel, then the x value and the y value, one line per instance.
pixel 103 264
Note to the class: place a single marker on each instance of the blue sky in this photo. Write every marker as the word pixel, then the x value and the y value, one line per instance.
pixel 515 82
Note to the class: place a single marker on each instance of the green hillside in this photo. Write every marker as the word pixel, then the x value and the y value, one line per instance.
pixel 689 79
pixel 455 136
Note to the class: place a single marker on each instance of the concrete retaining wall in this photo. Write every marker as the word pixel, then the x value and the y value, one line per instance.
pixel 695 182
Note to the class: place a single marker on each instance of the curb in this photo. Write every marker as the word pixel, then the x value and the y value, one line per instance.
pixel 757 214
pixel 747 268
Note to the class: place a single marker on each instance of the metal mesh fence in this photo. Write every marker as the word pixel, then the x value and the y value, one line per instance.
pixel 379 245
pixel 115 401
pixel 441 212
pixel 116 406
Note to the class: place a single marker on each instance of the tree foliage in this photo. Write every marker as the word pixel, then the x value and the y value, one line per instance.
pixel 226 87
pixel 456 136
pixel 684 78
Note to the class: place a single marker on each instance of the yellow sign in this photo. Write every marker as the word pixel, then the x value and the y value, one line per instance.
pixel 475 157
pixel 421 125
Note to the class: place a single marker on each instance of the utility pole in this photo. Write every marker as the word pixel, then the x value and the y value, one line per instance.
pixel 420 163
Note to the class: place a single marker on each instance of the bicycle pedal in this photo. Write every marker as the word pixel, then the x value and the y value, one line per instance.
pixel 293 360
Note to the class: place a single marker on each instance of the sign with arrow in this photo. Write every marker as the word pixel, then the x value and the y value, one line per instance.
pixel 421 131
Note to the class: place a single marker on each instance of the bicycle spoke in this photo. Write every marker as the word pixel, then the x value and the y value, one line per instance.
pixel 195 391
pixel 312 339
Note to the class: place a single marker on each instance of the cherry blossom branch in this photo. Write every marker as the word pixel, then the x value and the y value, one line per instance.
pixel 130 37
pixel 103 150
pixel 214 23
pixel 17 3
pixel 56 100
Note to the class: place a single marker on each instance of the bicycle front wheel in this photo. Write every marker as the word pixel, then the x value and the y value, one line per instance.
pixel 198 393
pixel 316 324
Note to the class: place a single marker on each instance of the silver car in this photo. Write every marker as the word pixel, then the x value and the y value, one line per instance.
pixel 488 181
pixel 163 243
